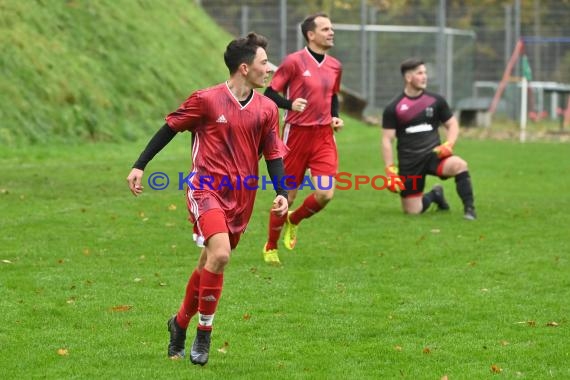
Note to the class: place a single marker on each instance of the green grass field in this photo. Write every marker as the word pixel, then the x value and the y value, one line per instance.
pixel 89 274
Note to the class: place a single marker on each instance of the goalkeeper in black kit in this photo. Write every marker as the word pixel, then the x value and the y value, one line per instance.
pixel 413 119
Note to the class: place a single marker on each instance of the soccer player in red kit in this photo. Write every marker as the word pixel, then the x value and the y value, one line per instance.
pixel 231 125
pixel 311 81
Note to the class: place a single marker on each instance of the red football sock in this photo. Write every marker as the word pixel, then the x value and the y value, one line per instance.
pixel 309 207
pixel 210 291
pixel 275 226
pixel 189 305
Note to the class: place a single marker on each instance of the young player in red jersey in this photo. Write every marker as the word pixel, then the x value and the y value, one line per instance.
pixel 311 81
pixel 231 125
pixel 413 118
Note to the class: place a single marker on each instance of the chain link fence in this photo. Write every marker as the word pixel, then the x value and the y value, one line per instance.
pixel 466 49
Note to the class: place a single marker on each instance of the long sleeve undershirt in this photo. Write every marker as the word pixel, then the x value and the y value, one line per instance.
pixel 155 145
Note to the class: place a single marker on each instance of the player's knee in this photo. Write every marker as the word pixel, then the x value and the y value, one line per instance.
pixel 324 197
pixel 221 257
pixel 412 206
pixel 412 210
pixel 456 165
pixel 461 166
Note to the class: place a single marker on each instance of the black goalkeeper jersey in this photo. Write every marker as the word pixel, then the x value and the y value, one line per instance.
pixel 416 121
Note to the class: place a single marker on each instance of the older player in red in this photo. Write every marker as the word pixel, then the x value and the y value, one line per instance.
pixel 311 81
pixel 231 124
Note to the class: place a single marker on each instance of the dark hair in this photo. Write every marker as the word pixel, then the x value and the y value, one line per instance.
pixel 309 24
pixel 243 50
pixel 410 64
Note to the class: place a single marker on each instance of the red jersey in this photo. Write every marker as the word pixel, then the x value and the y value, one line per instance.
pixel 300 75
pixel 228 139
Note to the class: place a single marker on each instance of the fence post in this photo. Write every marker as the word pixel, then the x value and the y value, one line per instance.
pixel 283 28
pixel 441 60
pixel 363 50
pixel 244 19
pixel 372 62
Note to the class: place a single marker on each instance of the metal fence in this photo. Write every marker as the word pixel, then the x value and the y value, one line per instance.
pixel 459 48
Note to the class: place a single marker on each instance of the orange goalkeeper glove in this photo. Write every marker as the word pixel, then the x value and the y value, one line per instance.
pixel 395 183
pixel 444 150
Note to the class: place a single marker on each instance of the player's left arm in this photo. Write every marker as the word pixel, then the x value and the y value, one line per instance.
pixel 452 130
pixel 273 150
pixel 337 123
pixel 276 171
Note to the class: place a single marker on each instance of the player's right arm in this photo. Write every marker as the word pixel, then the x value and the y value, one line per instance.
pixel 160 139
pixel 186 118
pixel 389 124
pixel 388 137
pixel 297 105
pixel 284 74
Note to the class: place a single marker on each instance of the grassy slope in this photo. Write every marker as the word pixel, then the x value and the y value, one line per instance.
pixel 100 70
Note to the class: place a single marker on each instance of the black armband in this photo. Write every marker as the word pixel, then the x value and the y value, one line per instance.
pixel 276 171
pixel 278 99
pixel 155 145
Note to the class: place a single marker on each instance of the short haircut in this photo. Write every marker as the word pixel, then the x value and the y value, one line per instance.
pixel 243 50
pixel 410 64
pixel 309 24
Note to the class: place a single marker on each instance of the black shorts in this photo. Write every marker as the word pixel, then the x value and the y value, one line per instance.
pixel 415 175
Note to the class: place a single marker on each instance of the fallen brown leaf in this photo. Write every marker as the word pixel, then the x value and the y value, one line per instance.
pixel 246 316
pixel 426 350
pixel 496 369
pixel 552 324
pixel 121 308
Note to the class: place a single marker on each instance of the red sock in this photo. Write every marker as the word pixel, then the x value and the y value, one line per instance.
pixel 275 225
pixel 309 207
pixel 189 305
pixel 210 291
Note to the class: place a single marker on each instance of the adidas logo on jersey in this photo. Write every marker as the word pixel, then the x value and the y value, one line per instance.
pixel 404 107
pixel 221 119
pixel 307 73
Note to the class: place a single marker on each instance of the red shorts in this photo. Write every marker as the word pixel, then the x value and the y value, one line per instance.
pixel 312 148
pixel 213 222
